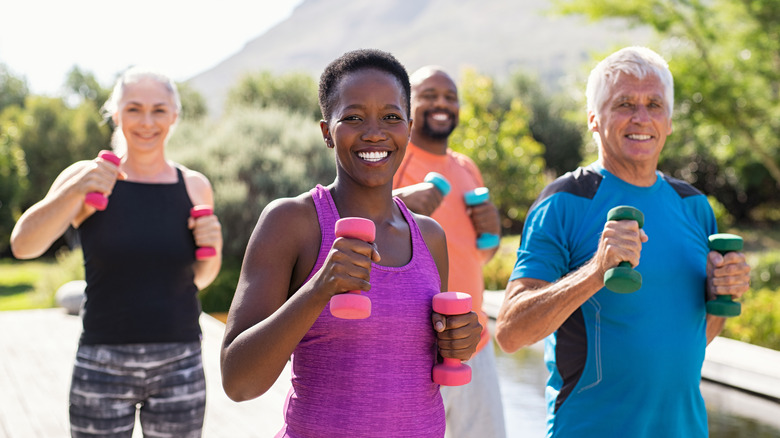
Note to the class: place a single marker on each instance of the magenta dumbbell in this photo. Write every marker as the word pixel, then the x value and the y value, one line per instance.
pixel 204 252
pixel 452 372
pixel 97 199
pixel 353 304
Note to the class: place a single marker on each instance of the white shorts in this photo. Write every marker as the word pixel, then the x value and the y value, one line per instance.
pixel 475 409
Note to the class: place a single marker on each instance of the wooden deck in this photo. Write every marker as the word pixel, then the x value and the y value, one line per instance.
pixel 37 348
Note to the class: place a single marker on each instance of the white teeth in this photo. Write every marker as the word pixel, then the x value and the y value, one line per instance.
pixel 440 117
pixel 373 156
pixel 639 137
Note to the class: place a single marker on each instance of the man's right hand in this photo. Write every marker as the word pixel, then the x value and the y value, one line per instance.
pixel 422 198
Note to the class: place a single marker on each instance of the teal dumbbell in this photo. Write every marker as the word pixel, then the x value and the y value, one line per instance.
pixel 439 181
pixel 623 278
pixel 724 305
pixel 475 197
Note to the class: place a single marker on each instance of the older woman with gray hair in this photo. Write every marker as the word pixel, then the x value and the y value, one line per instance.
pixel 140 344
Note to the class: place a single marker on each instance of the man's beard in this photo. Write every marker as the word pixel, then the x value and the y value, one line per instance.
pixel 442 134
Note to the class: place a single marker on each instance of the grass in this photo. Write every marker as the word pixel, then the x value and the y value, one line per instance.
pixel 17 284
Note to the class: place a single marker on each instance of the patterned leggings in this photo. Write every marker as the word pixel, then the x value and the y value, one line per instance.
pixel 165 381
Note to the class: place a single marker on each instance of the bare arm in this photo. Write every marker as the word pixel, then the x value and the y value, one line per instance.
pixel 264 326
pixel 63 205
pixel 206 230
pixel 532 309
pixel 422 198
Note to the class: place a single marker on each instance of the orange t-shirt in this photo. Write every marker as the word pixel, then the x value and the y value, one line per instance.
pixel 465 272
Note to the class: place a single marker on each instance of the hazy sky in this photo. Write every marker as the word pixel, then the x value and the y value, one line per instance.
pixel 43 39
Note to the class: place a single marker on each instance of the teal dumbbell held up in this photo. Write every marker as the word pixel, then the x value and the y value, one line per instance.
pixel 439 181
pixel 623 278
pixel 724 305
pixel 475 197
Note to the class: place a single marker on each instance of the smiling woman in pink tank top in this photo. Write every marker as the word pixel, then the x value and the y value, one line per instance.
pixel 350 377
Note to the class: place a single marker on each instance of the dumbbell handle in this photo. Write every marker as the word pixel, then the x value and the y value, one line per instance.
pixel 204 252
pixel 96 199
pixel 724 305
pixel 478 196
pixel 623 278
pixel 451 372
pixel 353 304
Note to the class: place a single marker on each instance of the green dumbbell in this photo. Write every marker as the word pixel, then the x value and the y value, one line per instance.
pixel 623 278
pixel 724 305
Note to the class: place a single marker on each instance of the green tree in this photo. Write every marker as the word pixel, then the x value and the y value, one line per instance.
pixel 296 92
pixel 725 57
pixel 13 89
pixel 13 182
pixel 52 136
pixel 548 122
pixel 84 87
pixel 251 158
pixel 494 133
pixel 193 105
pixel 13 170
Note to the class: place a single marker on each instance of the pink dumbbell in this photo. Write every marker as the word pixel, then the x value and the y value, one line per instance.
pixel 97 199
pixel 352 304
pixel 452 372
pixel 203 252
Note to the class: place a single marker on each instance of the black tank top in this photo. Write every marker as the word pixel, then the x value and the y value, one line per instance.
pixel 138 258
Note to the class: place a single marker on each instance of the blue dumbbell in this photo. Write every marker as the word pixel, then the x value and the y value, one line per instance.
pixel 475 197
pixel 439 181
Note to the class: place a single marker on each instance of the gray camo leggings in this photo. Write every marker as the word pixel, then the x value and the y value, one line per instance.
pixel 165 381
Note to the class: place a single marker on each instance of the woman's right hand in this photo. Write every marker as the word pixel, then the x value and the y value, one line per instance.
pixel 99 175
pixel 347 267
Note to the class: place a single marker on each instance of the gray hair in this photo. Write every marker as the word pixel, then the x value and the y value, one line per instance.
pixel 635 61
pixel 131 76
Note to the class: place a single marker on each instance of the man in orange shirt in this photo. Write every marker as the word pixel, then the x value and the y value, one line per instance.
pixel 475 409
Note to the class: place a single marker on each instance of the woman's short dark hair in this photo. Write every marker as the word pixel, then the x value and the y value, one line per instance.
pixel 353 61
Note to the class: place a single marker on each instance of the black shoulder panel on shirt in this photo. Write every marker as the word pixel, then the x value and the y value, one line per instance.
pixel 682 188
pixel 583 182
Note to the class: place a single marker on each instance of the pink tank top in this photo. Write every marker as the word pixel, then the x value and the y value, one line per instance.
pixel 370 377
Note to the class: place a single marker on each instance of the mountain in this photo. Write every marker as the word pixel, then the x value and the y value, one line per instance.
pixel 495 37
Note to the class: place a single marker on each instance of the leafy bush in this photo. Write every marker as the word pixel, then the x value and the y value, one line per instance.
pixel 765 271
pixel 499 268
pixel 494 133
pixel 759 323
pixel 251 157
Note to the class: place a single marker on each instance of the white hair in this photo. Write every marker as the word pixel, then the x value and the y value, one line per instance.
pixel 131 76
pixel 635 61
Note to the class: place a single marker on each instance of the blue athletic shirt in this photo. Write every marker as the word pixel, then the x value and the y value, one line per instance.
pixel 624 365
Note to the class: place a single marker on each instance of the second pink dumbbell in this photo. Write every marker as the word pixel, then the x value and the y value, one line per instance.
pixel 97 199
pixel 204 252
pixel 452 372
pixel 352 304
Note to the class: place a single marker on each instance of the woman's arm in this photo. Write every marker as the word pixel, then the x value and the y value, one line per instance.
pixel 271 311
pixel 63 205
pixel 206 230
